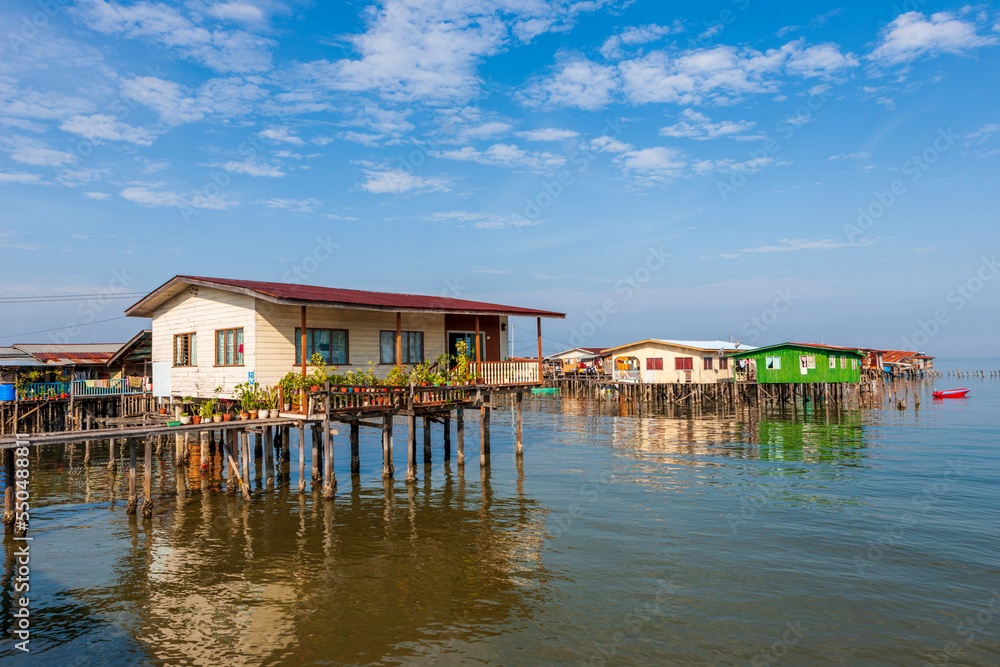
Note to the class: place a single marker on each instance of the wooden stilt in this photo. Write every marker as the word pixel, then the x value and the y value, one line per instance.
pixel 460 434
pixel 245 447
pixel 411 449
pixel 269 458
pixel 387 470
pixel 233 480
pixel 112 462
pixel 447 436
pixel 147 479
pixel 8 491
pixel 484 431
pixel 519 423
pixel 317 471
pixel 355 448
pixel 302 458
pixel 330 481
pixel 132 499
pixel 427 440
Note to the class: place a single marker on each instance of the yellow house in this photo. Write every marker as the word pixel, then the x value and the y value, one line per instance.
pixel 655 361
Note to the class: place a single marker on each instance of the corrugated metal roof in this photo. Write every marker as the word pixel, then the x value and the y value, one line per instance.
pixel 75 354
pixel 703 345
pixel 896 356
pixel 330 296
pixel 817 346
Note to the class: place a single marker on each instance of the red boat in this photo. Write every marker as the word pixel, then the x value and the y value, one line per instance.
pixel 950 393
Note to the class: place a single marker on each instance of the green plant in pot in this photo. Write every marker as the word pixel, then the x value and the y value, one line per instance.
pixel 397 377
pixel 246 394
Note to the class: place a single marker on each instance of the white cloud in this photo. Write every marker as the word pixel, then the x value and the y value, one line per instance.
pixel 100 127
pixel 165 97
pixel 789 245
pixel 385 126
pixel 613 46
pixel 483 221
pixel 695 125
pixel 575 82
pixel 548 134
pixel 19 178
pixel 384 180
pixel 606 144
pixel 982 134
pixel 652 165
pixel 484 131
pixel 252 167
pixel 150 197
pixel 864 155
pixel 818 60
pixel 219 49
pixel 101 196
pixel 37 153
pixel 505 155
pixel 913 35
pixel 280 135
pixel 293 205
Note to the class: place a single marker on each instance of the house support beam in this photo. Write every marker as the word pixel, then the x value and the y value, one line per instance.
pixel 330 481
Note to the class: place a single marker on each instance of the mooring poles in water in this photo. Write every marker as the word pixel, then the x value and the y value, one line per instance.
pixel 232 469
pixel 484 431
pixel 317 472
pixel 460 434
pixel 446 422
pixel 411 446
pixel 8 491
pixel 330 482
pixel 132 498
pixel 519 423
pixel 112 462
pixel 245 440
pixel 269 458
pixel 427 441
pixel 356 448
pixel 387 466
pixel 302 458
pixel 147 479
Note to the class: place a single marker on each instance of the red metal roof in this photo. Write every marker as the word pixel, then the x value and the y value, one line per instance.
pixel 81 354
pixel 306 294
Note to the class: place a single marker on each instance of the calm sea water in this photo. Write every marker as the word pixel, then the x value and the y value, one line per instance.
pixel 808 538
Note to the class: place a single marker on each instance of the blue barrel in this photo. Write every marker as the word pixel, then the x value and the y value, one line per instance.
pixel 6 392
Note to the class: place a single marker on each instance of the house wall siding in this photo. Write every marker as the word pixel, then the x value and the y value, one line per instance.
pixel 203 313
pixel 790 372
pixel 669 374
pixel 276 326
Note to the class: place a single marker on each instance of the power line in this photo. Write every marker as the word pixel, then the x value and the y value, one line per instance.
pixel 69 297
pixel 31 333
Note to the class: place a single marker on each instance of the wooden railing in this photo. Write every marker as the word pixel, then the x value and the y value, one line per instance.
pixel 505 372
pixel 627 376
pixel 118 387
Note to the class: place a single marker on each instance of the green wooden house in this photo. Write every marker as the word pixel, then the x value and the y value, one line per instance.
pixel 798 363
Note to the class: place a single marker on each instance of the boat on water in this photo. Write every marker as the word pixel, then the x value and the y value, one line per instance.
pixel 950 393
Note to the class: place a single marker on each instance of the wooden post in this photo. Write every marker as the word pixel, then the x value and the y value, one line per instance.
pixel 355 448
pixel 8 491
pixel 233 472
pixel 484 432
pixel 305 359
pixel 411 449
pixel 132 499
pixel 112 463
pixel 427 440
pixel 460 434
pixel 302 457
pixel 245 446
pixel 538 321
pixel 447 436
pixel 86 454
pixel 519 423
pixel 147 479
pixel 269 457
pixel 330 481
pixel 399 339
pixel 387 470
pixel 478 354
pixel 317 456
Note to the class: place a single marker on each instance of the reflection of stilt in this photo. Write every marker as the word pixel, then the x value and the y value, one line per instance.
pixel 330 481
pixel 484 431
pixel 411 449
pixel 387 465
pixel 302 458
pixel 460 435
pixel 518 424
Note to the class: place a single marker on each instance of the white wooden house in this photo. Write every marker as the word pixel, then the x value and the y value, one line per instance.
pixel 656 361
pixel 211 332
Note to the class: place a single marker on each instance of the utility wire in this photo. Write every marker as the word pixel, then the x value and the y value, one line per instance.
pixel 69 297
pixel 88 324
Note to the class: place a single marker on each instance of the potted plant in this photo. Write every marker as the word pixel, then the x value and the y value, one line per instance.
pixel 185 418
pixel 246 394
pixel 289 387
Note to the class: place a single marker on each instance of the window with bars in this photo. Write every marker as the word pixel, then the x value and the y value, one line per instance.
pixel 331 344
pixel 706 363
pixel 229 347
pixel 412 344
pixel 185 350
pixel 724 364
pixel 654 364
pixel 684 363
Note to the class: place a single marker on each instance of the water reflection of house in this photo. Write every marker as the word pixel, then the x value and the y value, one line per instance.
pixel 657 361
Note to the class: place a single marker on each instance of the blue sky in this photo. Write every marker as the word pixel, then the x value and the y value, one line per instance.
pixel 770 171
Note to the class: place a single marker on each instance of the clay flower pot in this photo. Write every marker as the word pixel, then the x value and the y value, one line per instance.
pixel 227 417
pixel 196 419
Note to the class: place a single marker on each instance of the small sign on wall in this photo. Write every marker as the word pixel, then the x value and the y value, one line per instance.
pixel 252 377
